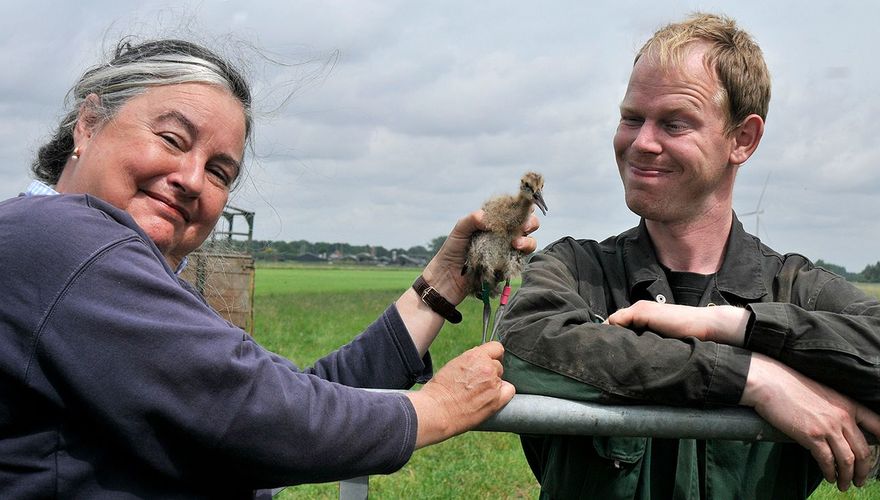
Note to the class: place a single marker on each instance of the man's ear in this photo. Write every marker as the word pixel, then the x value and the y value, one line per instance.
pixel 88 120
pixel 746 138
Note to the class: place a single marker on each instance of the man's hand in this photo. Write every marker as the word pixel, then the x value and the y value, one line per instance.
pixel 817 417
pixel 723 324
pixel 464 393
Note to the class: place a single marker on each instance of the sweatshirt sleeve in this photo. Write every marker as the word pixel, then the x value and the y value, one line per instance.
pixel 382 357
pixel 129 351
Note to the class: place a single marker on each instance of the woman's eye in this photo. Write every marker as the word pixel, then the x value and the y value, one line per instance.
pixel 220 174
pixel 171 139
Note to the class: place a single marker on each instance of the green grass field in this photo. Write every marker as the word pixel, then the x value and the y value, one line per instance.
pixel 305 312
pixel 872 288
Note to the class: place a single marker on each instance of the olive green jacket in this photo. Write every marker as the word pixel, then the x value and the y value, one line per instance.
pixel 804 316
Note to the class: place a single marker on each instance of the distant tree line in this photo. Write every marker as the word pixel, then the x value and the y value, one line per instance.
pixel 870 274
pixel 279 251
pixel 266 250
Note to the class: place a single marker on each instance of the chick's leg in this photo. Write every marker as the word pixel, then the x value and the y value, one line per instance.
pixel 487 310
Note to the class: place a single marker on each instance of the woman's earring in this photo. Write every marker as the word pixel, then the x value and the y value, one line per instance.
pixel 75 155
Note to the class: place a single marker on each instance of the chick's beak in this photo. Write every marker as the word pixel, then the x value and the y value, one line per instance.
pixel 539 201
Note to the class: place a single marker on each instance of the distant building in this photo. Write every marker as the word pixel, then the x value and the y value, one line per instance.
pixel 365 257
pixel 308 257
pixel 405 260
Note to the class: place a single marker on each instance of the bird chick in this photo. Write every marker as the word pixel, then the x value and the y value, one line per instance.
pixel 490 259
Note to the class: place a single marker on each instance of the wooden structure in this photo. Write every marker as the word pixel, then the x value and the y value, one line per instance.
pixel 225 276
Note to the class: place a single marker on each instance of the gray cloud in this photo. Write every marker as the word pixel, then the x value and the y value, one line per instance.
pixel 406 115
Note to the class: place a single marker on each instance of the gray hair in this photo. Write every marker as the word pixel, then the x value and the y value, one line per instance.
pixel 132 70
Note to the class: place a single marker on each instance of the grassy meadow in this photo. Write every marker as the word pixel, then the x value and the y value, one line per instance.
pixel 305 312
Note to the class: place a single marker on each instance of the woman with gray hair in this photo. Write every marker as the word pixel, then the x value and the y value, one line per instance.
pixel 117 380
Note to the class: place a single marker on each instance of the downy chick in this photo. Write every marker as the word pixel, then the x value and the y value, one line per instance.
pixel 491 260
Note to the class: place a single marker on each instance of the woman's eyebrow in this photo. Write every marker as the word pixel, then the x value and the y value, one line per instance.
pixel 228 161
pixel 182 120
pixel 193 131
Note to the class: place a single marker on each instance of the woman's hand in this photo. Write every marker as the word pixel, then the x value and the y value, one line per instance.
pixel 464 393
pixel 444 270
pixel 443 273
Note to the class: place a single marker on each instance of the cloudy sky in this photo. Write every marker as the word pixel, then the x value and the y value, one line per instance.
pixel 406 115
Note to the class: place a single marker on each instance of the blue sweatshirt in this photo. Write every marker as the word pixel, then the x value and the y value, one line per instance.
pixel 116 380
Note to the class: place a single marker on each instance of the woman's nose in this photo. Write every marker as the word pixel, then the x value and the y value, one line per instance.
pixel 189 178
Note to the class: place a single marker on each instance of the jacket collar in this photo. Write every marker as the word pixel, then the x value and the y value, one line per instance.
pixel 740 273
pixel 739 276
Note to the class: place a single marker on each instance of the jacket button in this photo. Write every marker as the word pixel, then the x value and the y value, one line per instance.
pixel 660 298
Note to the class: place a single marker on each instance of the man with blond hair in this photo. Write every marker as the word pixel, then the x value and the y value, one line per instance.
pixel 626 320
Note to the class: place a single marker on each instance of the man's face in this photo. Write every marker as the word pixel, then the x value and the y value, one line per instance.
pixel 671 147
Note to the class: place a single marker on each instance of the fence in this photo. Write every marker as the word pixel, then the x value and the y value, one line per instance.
pixel 530 414
pixel 226 280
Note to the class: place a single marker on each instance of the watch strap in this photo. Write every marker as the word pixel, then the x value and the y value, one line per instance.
pixel 435 301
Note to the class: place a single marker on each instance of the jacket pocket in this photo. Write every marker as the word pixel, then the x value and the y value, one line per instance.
pixel 620 450
pixel 593 467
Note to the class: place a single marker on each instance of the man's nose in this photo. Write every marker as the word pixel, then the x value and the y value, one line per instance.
pixel 647 138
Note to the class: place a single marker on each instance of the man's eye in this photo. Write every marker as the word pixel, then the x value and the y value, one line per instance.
pixel 676 126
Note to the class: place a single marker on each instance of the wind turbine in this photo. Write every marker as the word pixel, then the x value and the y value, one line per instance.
pixel 758 210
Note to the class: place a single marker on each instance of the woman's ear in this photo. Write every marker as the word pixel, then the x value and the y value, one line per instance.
pixel 88 120
pixel 746 138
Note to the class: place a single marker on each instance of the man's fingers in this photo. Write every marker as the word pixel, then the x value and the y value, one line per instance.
pixel 620 317
pixel 825 458
pixel 861 455
pixel 844 461
pixel 870 422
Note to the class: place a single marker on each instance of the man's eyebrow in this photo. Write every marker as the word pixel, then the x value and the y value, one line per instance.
pixel 684 108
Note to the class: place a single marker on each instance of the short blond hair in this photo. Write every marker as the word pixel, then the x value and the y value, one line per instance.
pixel 733 54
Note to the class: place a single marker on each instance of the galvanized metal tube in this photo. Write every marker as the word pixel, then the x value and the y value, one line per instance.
pixel 532 414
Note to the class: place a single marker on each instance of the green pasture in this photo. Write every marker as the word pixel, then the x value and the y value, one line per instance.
pixel 305 312
pixel 872 288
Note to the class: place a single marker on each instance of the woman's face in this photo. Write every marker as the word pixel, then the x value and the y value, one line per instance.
pixel 168 158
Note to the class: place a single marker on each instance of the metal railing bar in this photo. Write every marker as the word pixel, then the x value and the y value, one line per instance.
pixel 533 414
